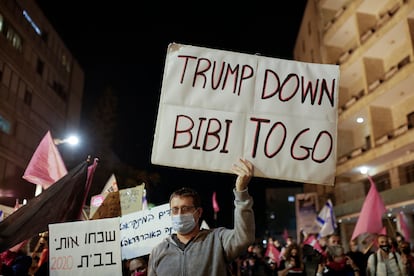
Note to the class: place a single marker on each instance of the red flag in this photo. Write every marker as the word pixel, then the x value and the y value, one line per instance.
pixel 46 166
pixel 216 207
pixel 370 217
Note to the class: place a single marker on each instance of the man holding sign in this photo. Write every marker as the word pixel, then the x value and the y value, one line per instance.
pixel 192 251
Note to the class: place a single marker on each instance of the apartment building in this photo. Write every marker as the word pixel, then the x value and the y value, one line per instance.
pixel 372 41
pixel 41 88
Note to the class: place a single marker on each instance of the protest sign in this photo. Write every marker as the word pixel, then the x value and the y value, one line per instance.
pixel 217 106
pixel 85 248
pixel 306 208
pixel 141 231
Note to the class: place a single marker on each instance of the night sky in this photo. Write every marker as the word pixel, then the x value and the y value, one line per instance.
pixel 123 45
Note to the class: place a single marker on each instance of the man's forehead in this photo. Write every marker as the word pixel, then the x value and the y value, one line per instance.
pixel 178 199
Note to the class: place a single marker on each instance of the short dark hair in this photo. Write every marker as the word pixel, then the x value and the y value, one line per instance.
pixel 187 192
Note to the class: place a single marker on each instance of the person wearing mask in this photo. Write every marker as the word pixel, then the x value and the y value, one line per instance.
pixel 385 261
pixel 195 251
pixel 137 266
pixel 357 256
pixel 407 257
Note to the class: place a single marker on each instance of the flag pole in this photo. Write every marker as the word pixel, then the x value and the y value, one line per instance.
pixel 393 233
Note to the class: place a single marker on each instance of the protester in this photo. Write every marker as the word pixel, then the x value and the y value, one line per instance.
pixel 334 239
pixel 407 257
pixel 289 241
pixel 138 266
pixel 336 263
pixel 15 261
pixel 250 263
pixel 293 265
pixel 192 251
pixel 360 259
pixel 271 257
pixel 384 261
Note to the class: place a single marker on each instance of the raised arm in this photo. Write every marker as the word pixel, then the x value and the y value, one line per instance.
pixel 244 170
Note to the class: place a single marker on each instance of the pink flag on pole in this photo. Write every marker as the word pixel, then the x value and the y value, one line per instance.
pixel 46 166
pixel 370 217
pixel 216 207
pixel 273 253
pixel 313 241
pixel 402 225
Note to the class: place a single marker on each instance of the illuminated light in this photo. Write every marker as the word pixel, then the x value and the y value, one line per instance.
pixel 363 170
pixel 389 215
pixel 73 140
pixel 360 120
pixel 32 23
pixel 291 199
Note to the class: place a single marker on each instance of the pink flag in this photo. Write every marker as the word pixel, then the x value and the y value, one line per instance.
pixel 215 204
pixel 46 166
pixel 402 225
pixel 312 241
pixel 370 217
pixel 273 254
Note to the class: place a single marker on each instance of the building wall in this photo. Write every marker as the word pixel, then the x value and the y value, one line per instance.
pixel 41 88
pixel 372 42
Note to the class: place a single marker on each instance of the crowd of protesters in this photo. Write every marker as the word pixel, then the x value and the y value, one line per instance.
pixel 384 256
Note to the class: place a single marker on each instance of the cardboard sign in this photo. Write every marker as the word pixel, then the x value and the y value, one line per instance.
pixel 141 231
pixel 85 248
pixel 217 106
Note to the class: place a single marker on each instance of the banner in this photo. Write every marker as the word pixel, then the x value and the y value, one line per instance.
pixel 306 212
pixel 85 248
pixel 217 106
pixel 141 231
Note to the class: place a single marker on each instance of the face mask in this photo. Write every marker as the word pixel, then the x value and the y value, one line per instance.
pixel 386 248
pixel 183 224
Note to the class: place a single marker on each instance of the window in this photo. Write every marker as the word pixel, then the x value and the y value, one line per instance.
pixel 410 120
pixel 410 173
pixel 40 66
pixel 13 38
pixel 28 98
pixel 382 182
pixel 1 23
pixel 5 125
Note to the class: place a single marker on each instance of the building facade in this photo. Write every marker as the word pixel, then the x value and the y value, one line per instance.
pixel 372 42
pixel 41 88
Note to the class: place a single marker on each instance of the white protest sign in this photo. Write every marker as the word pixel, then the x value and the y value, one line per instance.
pixel 217 106
pixel 141 231
pixel 85 248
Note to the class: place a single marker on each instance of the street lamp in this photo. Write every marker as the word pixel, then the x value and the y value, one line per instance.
pixel 72 140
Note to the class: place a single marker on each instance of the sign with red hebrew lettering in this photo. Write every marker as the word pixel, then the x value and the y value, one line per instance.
pixel 217 106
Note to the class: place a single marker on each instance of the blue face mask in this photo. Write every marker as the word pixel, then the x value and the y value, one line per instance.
pixel 184 223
